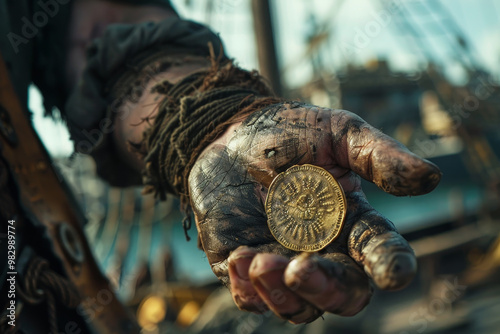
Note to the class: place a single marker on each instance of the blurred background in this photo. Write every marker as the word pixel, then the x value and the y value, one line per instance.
pixel 426 72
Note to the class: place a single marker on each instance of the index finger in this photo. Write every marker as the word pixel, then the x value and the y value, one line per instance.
pixel 379 158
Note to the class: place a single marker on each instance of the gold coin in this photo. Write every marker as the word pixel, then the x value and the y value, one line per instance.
pixel 305 208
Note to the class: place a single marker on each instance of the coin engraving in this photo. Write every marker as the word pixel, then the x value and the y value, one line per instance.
pixel 305 208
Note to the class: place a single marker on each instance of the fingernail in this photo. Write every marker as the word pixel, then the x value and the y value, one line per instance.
pixel 240 260
pixel 431 182
pixel 242 266
pixel 404 267
pixel 398 272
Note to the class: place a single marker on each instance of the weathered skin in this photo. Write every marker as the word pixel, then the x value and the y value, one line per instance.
pixel 228 187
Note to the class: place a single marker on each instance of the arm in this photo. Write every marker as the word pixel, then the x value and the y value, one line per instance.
pixel 228 185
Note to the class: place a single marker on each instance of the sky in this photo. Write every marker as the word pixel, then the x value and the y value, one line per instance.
pixel 359 31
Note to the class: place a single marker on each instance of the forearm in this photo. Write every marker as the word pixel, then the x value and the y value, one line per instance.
pixel 135 118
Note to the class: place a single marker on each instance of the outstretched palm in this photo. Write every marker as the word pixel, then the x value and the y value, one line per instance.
pixel 228 187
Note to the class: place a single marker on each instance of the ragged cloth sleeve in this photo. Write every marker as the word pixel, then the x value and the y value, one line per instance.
pixel 116 60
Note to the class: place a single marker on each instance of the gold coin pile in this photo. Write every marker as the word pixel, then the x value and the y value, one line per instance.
pixel 305 208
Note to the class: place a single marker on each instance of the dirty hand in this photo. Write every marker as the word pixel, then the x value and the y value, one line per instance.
pixel 228 187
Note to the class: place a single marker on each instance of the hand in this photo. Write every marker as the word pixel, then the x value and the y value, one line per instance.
pixel 228 187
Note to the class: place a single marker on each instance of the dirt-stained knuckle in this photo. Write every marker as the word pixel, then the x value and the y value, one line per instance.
pixel 364 228
pixel 387 242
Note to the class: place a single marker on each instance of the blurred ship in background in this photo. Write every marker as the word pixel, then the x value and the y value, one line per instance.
pixel 454 230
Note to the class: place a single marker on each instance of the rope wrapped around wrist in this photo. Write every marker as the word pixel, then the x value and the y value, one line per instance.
pixel 194 112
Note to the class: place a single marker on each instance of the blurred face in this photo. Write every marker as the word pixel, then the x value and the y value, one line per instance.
pixel 90 18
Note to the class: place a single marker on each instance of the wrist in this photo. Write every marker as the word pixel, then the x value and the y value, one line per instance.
pixel 193 114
